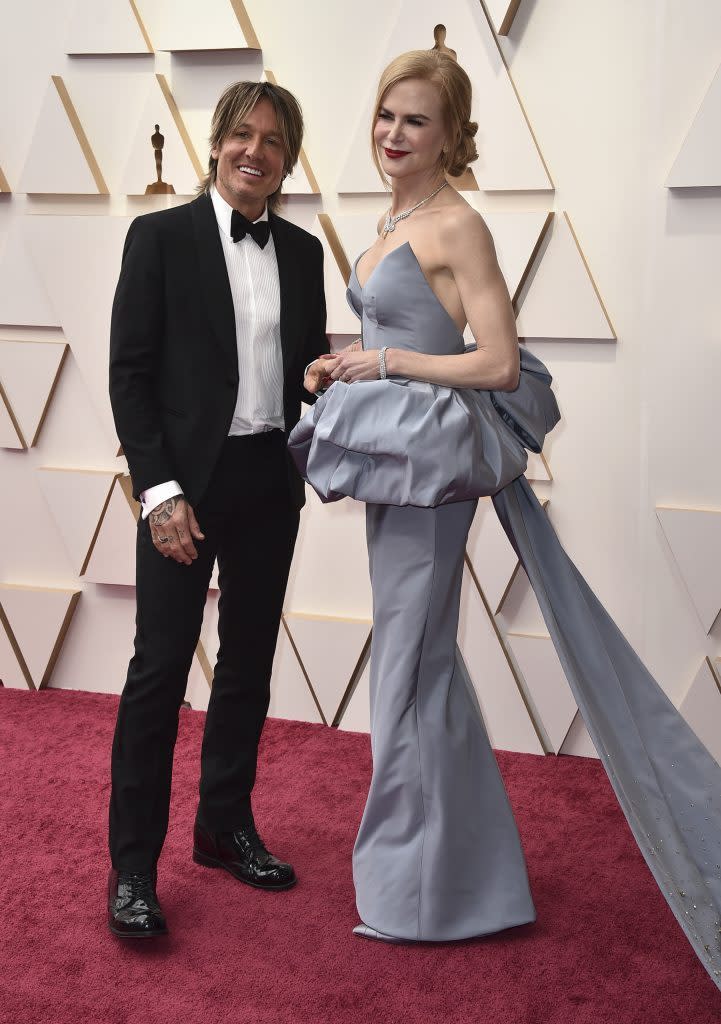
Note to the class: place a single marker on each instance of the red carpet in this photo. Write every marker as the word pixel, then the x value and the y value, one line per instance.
pixel 605 947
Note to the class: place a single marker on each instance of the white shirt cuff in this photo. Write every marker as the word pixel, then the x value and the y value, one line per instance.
pixel 154 496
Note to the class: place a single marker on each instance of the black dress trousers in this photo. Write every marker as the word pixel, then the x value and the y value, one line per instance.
pixel 250 522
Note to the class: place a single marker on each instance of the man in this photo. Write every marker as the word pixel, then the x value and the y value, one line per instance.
pixel 218 310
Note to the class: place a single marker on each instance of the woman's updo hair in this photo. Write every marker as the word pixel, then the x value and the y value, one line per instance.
pixel 455 88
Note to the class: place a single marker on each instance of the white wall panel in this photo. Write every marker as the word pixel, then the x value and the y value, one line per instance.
pixel 701 707
pixel 561 300
pixel 79 262
pixel 28 374
pixel 699 161
pixel 23 299
pixel 58 163
pixel 640 422
pixel 105 26
pixel 694 536
pixel 180 24
pixel 329 649
pixel 76 500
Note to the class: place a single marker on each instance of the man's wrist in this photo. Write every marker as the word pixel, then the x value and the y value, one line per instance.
pixel 156 495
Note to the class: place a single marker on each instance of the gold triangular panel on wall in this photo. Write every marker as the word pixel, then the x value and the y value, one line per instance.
pixel 4 186
pixel 538 468
pixel 24 301
pixel 546 685
pixel 10 434
pixel 176 25
pixel 341 319
pixel 14 673
pixel 29 372
pixel 699 160
pixel 701 707
pixel 493 559
pixel 37 619
pixel 302 182
pixel 355 233
pixel 112 559
pixel 330 649
pixel 290 695
pixel 69 252
pixel 313 580
pixel 694 536
pixel 509 159
pixel 505 712
pixel 501 14
pixel 560 299
pixel 517 235
pixel 77 499
pixel 181 166
pixel 197 691
pixel 356 715
pixel 113 108
pixel 206 651
pixel 578 743
pixel 73 169
pixel 100 27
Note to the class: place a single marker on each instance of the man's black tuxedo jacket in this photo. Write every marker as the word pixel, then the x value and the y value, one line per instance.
pixel 173 349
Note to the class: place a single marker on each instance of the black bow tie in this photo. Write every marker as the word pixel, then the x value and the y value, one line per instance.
pixel 240 226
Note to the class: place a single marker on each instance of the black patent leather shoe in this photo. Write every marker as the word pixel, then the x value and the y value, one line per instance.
pixel 244 855
pixel 133 908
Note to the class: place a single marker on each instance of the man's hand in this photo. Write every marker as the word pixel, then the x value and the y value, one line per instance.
pixel 318 375
pixel 173 526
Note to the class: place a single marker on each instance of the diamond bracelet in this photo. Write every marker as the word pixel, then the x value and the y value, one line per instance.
pixel 382 362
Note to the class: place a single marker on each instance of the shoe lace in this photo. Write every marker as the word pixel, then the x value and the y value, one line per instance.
pixel 139 887
pixel 254 838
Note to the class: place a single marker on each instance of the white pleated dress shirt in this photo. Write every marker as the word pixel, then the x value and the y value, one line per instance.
pixel 255 287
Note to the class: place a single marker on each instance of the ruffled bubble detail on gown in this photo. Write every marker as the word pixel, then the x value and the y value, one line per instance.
pixel 407 458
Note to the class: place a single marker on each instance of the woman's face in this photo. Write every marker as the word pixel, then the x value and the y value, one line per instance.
pixel 410 130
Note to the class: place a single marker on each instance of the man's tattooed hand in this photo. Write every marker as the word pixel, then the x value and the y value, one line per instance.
pixel 173 528
pixel 164 512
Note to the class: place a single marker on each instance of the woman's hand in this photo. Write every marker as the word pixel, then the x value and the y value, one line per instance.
pixel 318 375
pixel 354 365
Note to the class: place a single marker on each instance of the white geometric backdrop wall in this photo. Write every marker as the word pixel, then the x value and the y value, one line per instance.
pixel 608 257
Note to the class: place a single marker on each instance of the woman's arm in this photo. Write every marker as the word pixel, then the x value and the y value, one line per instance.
pixel 469 253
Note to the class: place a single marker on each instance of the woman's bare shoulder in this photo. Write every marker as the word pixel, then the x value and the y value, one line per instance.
pixel 463 229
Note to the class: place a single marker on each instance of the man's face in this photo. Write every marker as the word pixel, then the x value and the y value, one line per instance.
pixel 250 161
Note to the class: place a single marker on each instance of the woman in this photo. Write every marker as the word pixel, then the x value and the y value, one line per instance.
pixel 418 427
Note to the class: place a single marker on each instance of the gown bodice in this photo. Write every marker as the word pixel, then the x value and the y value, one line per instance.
pixel 398 307
pixel 402 441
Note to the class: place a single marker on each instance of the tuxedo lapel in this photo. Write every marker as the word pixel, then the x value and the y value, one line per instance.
pixel 288 278
pixel 214 278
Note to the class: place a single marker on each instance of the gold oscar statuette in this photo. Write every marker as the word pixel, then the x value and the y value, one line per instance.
pixel 439 36
pixel 158 187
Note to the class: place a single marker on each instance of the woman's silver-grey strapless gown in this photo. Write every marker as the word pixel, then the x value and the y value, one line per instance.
pixel 438 855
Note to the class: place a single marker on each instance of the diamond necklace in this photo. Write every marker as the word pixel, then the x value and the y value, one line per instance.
pixel 390 224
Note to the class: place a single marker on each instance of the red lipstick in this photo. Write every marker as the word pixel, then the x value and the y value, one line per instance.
pixel 395 154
